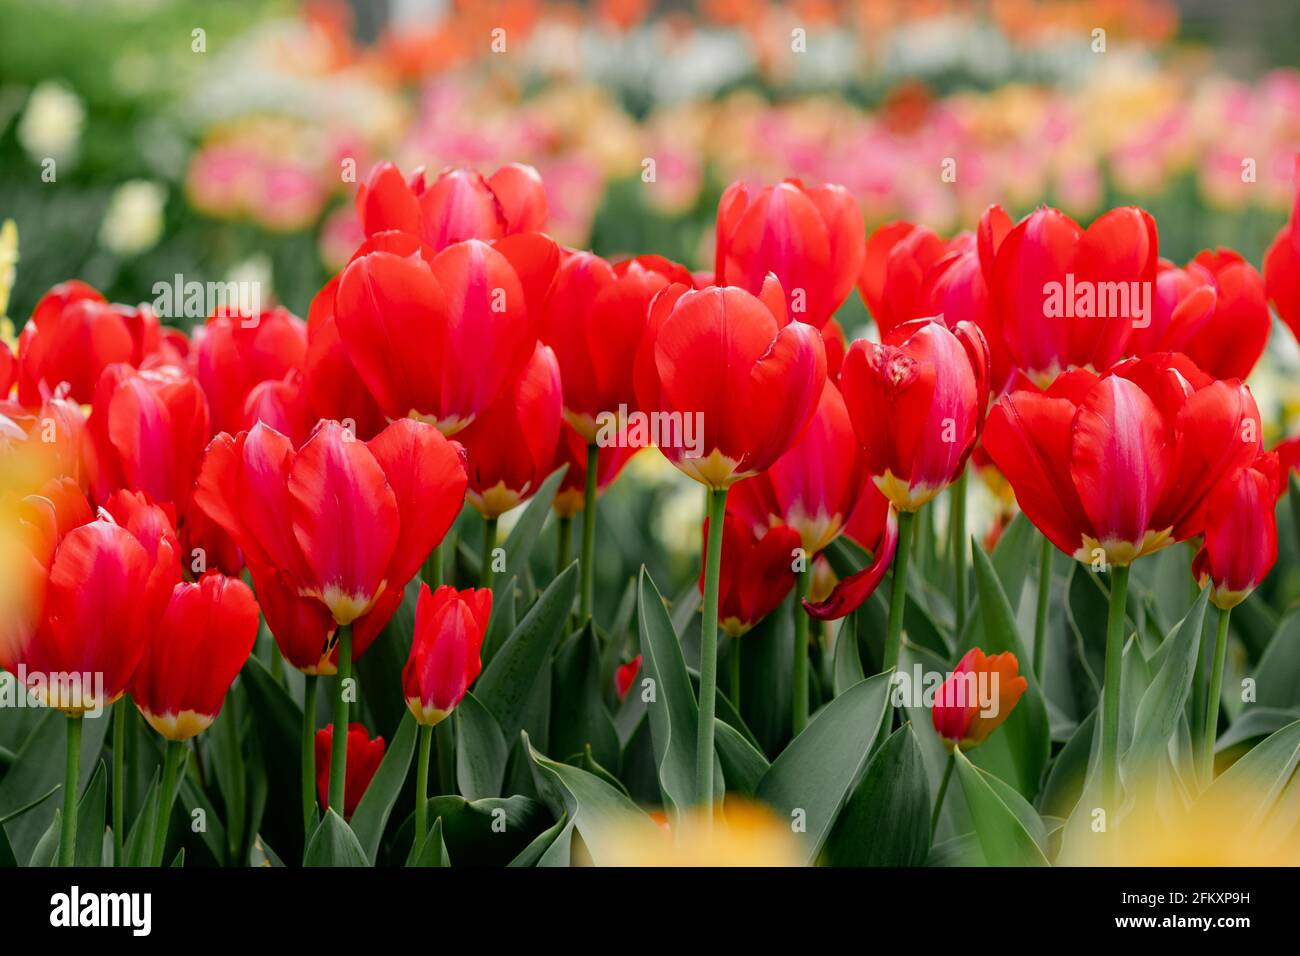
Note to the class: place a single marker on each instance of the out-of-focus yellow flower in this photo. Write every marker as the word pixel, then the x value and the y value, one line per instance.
pixel 133 222
pixel 51 124
pixel 8 264
pixel 743 834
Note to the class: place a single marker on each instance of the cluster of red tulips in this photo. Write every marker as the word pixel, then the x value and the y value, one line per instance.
pixel 463 356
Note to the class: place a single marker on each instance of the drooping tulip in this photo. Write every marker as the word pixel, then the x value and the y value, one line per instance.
pixel 1214 311
pixel 332 532
pixel 444 659
pixel 510 447
pixel 233 352
pixel 1120 465
pixel 364 758
pixel 810 238
pixel 731 375
pixel 977 697
pixel 756 573
pixel 1282 268
pixel 917 404
pixel 438 337
pixel 459 204
pixel 1068 297
pixel 206 634
pixel 1240 545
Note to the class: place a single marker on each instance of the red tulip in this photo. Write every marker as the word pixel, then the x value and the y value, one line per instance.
pixel 1214 312
pixel 438 337
pixel 109 580
pixel 1122 464
pixel 571 450
pixel 1240 544
pixel 594 321
pixel 8 371
pixel 814 486
pixel 811 239
pixel 334 531
pixel 55 431
pixel 1068 297
pixel 917 404
pixel 735 367
pixel 625 674
pixel 892 282
pixel 977 697
pixel 232 353
pixel 460 204
pixel 511 446
pixel 1282 268
pixel 283 404
pixel 334 387
pixel 836 345
pixel 191 659
pixel 364 757
pixel 73 335
pixel 444 661
pixel 755 575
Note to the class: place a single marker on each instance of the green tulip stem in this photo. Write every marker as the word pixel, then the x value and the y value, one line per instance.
pixel 709 654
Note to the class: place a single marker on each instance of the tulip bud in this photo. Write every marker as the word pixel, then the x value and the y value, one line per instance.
pixel 206 634
pixel 976 698
pixel 444 661
pixel 364 757
pixel 625 675
pixel 1240 534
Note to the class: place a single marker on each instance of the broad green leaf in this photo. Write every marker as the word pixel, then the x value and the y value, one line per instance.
pixel 1015 553
pixel 1255 723
pixel 1069 771
pixel 139 839
pixel 46 852
pixel 1002 837
pixel 1026 730
pixel 579 717
pixel 887 820
pixel 278 722
pixel 433 851
pixel 1277 676
pixel 487 832
pixel 7 857
pixel 519 543
pixel 1261 774
pixel 371 815
pixel 90 819
pixel 847 666
pixel 535 852
pixel 816 774
pixel 226 749
pixel 602 815
pixel 481 751
pixel 15 814
pixel 213 833
pixel 334 844
pixel 507 683
pixel 743 766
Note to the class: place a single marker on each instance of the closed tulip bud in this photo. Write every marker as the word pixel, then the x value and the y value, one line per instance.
pixel 205 636
pixel 444 661
pixel 810 238
pixel 917 403
pixel 510 448
pixel 364 758
pixel 733 381
pixel 976 698
pixel 625 675
pixel 755 575
pixel 1240 544
pixel 232 352
pixel 1113 467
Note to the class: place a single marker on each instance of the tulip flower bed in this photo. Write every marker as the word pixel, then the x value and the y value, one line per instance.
pixel 345 590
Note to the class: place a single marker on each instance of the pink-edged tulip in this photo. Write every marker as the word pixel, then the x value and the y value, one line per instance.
pixel 232 352
pixel 961 712
pixel 364 757
pixel 444 660
pixel 1240 545
pixel 810 238
pixel 1120 465
pixel 511 446
pixel 333 531
pixel 1214 311
pixel 917 404
pixel 755 575
pixel 460 204
pixel 1067 297
pixel 206 634
pixel 438 337
pixel 594 321
pixel 625 674
pixel 732 380
pixel 1282 268
pixel 571 451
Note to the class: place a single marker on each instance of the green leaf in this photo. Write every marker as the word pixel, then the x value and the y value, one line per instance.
pixel 7 857
pixel 524 534
pixel 278 721
pixel 1002 837
pixel 743 765
pixel 487 832
pixel 1261 774
pixel 139 840
pixel 371 815
pixel 507 683
pixel 47 847
pixel 1277 676
pixel 15 814
pixel 481 750
pixel 537 851
pixel 817 773
pixel 847 665
pixel 1026 731
pixel 674 714
pixel 887 820
pixel 579 717
pixel 1161 706
pixel 90 819
pixel 334 844
pixel 1069 770
pixel 1016 551
pixel 600 814
pixel 433 851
